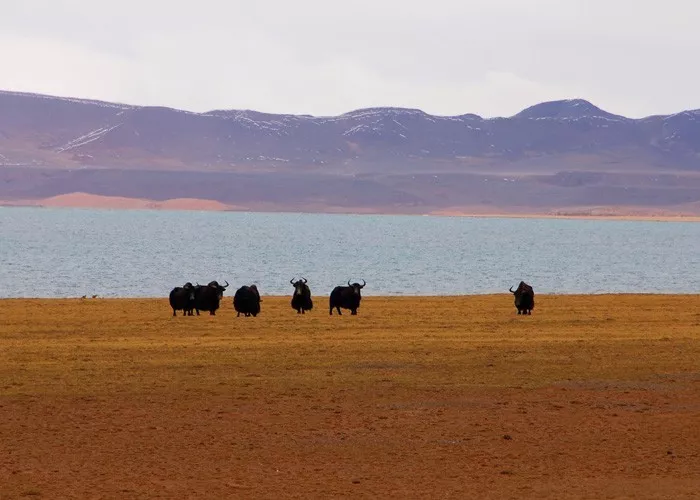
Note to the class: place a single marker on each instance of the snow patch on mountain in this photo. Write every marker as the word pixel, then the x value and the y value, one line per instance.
pixel 382 112
pixel 692 115
pixel 86 139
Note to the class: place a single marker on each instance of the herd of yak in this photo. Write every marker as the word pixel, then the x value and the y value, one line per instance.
pixel 194 298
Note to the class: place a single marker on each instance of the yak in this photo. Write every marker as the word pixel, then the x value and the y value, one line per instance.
pixel 247 301
pixel 524 298
pixel 346 297
pixel 207 298
pixel 182 299
pixel 301 299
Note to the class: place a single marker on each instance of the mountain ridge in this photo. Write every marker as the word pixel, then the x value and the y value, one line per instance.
pixel 549 156
pixel 124 105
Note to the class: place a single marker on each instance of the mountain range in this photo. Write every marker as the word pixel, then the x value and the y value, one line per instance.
pixel 558 157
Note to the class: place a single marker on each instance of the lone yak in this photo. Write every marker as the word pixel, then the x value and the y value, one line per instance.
pixel 346 297
pixel 524 298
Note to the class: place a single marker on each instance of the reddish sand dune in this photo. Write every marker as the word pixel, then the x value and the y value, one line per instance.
pixel 86 200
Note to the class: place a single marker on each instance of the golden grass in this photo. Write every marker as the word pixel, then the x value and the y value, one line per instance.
pixel 431 373
pixel 77 346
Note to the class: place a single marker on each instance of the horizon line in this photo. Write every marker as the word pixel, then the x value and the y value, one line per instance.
pixel 117 103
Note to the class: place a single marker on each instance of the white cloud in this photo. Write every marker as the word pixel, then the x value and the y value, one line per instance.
pixel 492 57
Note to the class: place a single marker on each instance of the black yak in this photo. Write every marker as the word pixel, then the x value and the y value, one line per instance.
pixel 207 298
pixel 182 299
pixel 524 298
pixel 247 301
pixel 346 297
pixel 301 299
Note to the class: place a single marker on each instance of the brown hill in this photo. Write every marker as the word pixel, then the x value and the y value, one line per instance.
pixel 554 156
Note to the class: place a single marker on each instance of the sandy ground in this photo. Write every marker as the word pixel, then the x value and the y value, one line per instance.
pixel 451 397
pixel 85 200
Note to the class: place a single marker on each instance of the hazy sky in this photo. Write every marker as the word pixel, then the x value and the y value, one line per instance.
pixel 491 57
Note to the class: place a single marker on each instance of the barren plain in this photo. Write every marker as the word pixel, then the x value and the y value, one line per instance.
pixel 434 397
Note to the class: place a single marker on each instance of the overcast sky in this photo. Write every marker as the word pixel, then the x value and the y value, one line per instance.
pixel 323 57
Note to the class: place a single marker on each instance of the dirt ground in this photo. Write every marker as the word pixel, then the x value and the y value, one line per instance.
pixel 440 397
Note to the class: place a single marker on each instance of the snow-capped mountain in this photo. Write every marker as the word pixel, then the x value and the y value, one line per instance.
pixel 54 130
pixel 541 143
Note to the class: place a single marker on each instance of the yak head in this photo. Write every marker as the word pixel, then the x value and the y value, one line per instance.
pixel 299 286
pixel 254 289
pixel 356 287
pixel 214 285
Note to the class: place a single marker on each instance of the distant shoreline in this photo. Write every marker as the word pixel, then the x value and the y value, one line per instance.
pixel 619 217
pixel 90 201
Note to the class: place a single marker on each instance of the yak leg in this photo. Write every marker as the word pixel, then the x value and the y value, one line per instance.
pixel 174 313
pixel 302 311
pixel 529 312
pixel 197 312
pixel 519 311
pixel 353 312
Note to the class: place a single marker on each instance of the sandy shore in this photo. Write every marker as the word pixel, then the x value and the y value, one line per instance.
pixel 629 217
pixel 431 397
pixel 85 200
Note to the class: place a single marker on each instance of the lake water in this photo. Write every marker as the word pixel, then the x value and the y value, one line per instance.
pixel 112 253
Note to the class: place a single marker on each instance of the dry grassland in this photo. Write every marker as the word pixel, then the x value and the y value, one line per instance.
pixel 452 397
